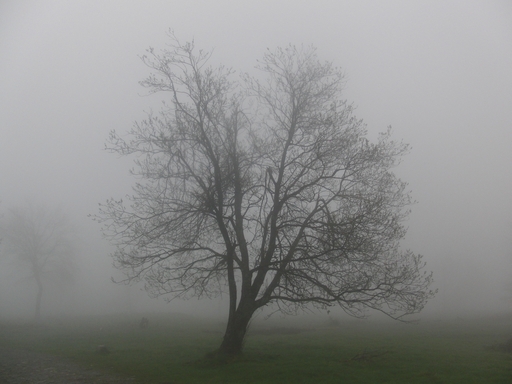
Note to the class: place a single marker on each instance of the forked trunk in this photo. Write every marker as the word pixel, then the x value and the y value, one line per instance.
pixel 238 322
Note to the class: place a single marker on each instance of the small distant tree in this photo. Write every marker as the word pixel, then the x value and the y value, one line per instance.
pixel 41 243
pixel 267 185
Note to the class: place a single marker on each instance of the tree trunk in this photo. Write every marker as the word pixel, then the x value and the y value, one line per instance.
pixel 38 299
pixel 238 322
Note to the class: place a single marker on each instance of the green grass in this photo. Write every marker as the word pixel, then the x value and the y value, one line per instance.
pixel 172 350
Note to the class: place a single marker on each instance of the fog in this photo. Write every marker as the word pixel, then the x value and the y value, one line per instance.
pixel 439 72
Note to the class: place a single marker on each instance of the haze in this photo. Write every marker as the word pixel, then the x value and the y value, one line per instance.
pixel 438 72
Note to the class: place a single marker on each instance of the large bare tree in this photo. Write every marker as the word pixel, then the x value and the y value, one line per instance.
pixel 265 185
pixel 41 241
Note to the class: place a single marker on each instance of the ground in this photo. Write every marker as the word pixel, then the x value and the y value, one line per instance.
pixel 20 366
pixel 288 350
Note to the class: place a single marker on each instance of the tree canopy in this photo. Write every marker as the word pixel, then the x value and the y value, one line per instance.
pixel 266 186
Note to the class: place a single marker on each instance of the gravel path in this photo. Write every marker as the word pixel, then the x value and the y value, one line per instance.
pixel 26 367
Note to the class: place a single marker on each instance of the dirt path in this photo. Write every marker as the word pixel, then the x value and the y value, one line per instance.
pixel 26 367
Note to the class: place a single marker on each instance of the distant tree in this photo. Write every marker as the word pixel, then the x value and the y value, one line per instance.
pixel 268 186
pixel 41 242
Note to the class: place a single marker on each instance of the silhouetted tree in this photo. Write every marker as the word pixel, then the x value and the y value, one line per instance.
pixel 41 240
pixel 268 186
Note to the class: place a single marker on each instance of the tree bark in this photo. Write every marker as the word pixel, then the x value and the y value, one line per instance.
pixel 238 322
pixel 37 315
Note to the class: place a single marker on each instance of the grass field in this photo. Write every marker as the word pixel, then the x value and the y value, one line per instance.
pixel 172 350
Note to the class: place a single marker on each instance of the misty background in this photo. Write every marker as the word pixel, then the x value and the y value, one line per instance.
pixel 439 72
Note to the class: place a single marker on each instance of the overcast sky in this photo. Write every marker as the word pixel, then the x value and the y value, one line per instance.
pixel 438 72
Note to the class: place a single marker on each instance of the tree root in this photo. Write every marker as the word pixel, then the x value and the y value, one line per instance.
pixel 369 355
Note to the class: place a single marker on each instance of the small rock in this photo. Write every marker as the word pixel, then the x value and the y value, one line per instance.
pixel 102 349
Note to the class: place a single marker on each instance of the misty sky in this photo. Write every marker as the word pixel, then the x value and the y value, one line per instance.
pixel 438 72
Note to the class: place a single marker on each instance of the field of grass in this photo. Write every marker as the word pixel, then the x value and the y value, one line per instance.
pixel 173 348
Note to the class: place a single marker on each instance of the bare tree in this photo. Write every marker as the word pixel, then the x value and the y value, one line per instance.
pixel 269 187
pixel 41 240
